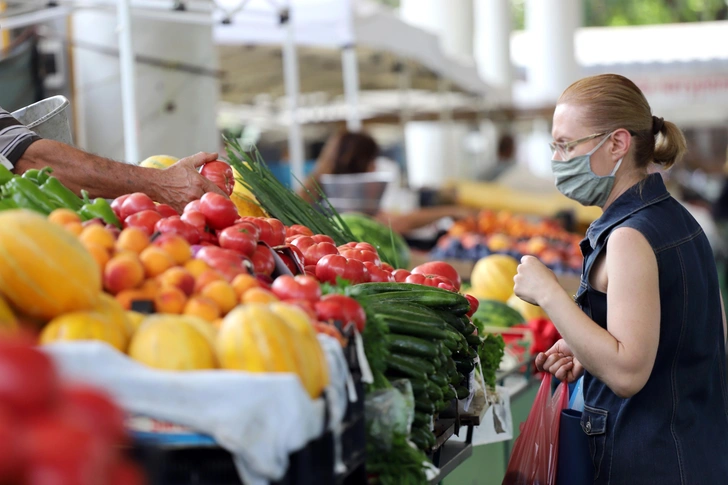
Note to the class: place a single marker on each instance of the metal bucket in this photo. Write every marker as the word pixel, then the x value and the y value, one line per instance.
pixel 48 119
pixel 361 192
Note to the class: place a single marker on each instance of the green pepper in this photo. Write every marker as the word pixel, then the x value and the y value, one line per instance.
pixel 5 175
pixel 27 195
pixel 7 204
pixel 38 177
pixel 54 189
pixel 98 208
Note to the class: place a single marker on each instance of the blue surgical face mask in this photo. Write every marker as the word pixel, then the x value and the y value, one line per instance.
pixel 575 179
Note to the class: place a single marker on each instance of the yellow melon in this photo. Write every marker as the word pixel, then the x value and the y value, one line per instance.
pixel 83 326
pixel 44 270
pixel 8 322
pixel 528 311
pixel 169 342
pixel 492 277
pixel 159 161
pixel 135 320
pixel 112 309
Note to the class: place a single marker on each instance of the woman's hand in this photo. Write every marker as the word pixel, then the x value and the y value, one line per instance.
pixel 559 361
pixel 533 281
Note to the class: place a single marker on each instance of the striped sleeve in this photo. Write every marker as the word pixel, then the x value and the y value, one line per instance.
pixel 15 138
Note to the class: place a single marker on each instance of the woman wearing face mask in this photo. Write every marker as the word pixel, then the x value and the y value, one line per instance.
pixel 648 327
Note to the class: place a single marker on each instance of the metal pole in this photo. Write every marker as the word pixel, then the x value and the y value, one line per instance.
pixel 350 69
pixel 290 76
pixel 128 86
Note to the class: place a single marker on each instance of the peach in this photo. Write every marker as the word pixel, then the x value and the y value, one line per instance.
pixel 243 282
pixel 75 228
pixel 150 288
pixel 97 235
pixel 132 239
pixel 206 278
pixel 203 307
pixel 176 246
pixel 155 261
pixel 258 295
pixel 170 300
pixel 62 217
pixel 100 254
pixel 196 267
pixel 178 277
pixel 123 272
pixel 217 323
pixel 222 293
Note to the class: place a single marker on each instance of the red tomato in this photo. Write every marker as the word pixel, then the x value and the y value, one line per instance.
pixel 195 219
pixel 208 238
pixel 298 229
pixel 430 280
pixel 297 288
pixel 400 275
pixel 360 245
pixel 263 261
pixel 96 221
pixel 10 456
pixel 239 238
pixel 193 206
pixel 310 270
pixel 116 205
pixel 96 411
pixel 343 309
pixel 228 263
pixel 126 473
pixel 440 268
pixel 306 306
pixel 377 274
pixel 134 203
pixel 219 211
pixel 362 255
pixel 320 238
pixel 145 220
pixel 313 251
pixel 333 265
pixel 474 304
pixel 387 267
pixel 278 232
pixel 175 225
pixel 265 229
pixel 115 231
pixel 220 174
pixel 166 210
pixel 28 382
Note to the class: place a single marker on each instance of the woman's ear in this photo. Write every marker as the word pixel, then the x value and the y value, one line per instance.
pixel 621 142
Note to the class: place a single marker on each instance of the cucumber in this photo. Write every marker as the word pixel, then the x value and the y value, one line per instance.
pixel 456 379
pixel 434 298
pixel 424 406
pixel 422 420
pixel 446 353
pixel 465 366
pixel 417 362
pixel 416 329
pixel 431 440
pixel 449 394
pixel 462 392
pixel 419 387
pixel 474 340
pixel 411 310
pixel 469 329
pixel 442 405
pixel 405 367
pixel 434 392
pixel 419 437
pixel 439 380
pixel 406 344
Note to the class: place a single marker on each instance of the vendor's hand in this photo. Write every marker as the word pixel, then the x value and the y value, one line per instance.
pixel 181 183
pixel 533 281
pixel 560 362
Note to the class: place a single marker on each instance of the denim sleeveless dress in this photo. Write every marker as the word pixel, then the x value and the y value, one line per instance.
pixel 675 430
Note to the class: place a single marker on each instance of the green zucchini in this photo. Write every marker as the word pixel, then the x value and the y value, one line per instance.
pixel 456 379
pixel 474 340
pixel 422 420
pixel 405 367
pixel 424 406
pixel 419 438
pixel 449 394
pixel 416 329
pixel 434 392
pixel 469 329
pixel 462 392
pixel 406 344
pixel 434 298
pixel 465 366
pixel 442 405
pixel 439 379
pixel 416 362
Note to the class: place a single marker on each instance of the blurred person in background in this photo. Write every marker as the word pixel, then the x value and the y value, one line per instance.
pixel 505 159
pixel 346 153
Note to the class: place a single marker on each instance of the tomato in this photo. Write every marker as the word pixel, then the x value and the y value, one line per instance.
pixel 145 220
pixel 263 260
pixel 332 266
pixel 195 219
pixel 265 230
pixel 310 270
pixel 305 305
pixel 175 225
pixel 430 280
pixel 113 230
pixel 126 473
pixel 313 251
pixel 116 205
pixel 440 268
pixel 228 263
pixel 400 275
pixel 96 411
pixel 166 210
pixel 134 203
pixel 343 309
pixel 297 288
pixel 387 267
pixel 219 211
pixel 360 245
pixel 10 457
pixel 220 174
pixel 96 221
pixel 298 229
pixel 239 238
pixel 28 382
pixel 278 232
pixel 193 206
pixel 377 274
pixel 362 255
pixel 474 304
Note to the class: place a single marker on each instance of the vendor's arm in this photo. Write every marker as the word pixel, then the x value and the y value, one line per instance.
pixel 404 223
pixel 623 355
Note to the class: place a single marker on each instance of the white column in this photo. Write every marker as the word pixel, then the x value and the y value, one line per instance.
pixel 128 82
pixel 456 27
pixel 293 90
pixel 492 43
pixel 176 109
pixel 551 25
pixel 350 68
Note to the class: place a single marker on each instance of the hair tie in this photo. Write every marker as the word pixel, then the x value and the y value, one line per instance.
pixel 657 124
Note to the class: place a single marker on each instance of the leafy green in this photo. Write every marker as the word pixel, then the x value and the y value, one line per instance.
pixel 402 464
pixel 491 354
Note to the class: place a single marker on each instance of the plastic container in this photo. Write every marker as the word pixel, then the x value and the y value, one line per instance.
pixel 48 119
pixel 361 192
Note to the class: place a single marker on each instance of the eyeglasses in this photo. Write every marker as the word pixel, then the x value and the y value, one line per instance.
pixel 564 149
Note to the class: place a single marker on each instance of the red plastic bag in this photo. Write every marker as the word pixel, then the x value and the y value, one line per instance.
pixel 535 453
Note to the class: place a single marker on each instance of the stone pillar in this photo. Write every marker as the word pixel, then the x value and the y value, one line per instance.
pixel 492 44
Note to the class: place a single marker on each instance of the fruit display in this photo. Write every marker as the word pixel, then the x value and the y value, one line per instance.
pixel 504 233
